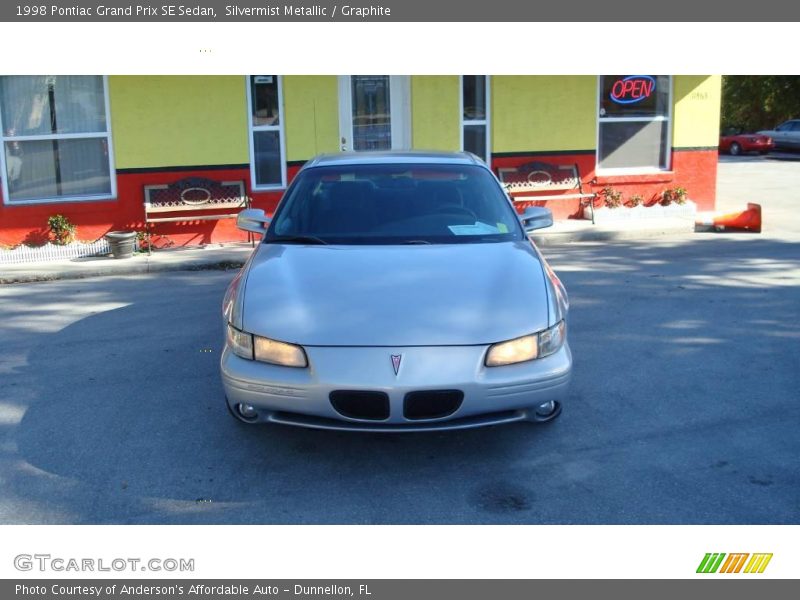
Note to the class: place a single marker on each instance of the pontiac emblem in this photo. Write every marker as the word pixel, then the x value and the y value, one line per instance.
pixel 396 358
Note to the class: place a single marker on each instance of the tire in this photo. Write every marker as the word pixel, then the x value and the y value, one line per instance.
pixel 735 149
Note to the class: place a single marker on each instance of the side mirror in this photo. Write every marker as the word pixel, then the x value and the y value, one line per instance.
pixel 536 217
pixel 253 219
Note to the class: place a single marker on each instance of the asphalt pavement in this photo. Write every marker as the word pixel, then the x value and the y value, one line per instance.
pixel 683 407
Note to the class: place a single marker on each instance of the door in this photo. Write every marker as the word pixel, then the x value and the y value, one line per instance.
pixel 374 112
pixel 792 139
pixel 779 133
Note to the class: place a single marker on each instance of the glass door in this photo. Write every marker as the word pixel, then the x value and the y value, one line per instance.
pixel 374 112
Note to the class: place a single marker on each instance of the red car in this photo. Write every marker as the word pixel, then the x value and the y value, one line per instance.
pixel 734 142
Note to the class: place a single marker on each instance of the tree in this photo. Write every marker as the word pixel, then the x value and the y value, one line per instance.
pixel 755 102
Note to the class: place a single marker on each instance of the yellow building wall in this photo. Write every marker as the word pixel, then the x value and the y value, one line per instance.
pixel 543 113
pixel 434 112
pixel 166 120
pixel 696 107
pixel 311 115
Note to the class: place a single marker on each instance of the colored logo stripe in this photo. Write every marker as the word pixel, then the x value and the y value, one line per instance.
pixel 710 562
pixel 758 563
pixel 733 564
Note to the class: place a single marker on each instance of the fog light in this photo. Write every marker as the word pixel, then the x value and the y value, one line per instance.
pixel 546 408
pixel 248 411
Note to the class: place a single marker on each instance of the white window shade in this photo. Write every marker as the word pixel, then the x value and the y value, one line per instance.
pixel 265 114
pixel 634 119
pixel 475 115
pixel 56 140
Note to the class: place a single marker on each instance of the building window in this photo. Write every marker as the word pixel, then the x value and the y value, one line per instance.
pixel 634 122
pixel 265 100
pixel 55 138
pixel 475 115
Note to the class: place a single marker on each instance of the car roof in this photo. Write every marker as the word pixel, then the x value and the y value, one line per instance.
pixel 395 158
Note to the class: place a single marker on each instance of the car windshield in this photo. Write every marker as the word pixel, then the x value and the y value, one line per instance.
pixel 395 204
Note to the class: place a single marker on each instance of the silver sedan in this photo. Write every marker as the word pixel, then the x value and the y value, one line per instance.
pixel 395 292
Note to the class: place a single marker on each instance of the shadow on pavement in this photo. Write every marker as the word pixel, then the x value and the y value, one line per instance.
pixel 683 410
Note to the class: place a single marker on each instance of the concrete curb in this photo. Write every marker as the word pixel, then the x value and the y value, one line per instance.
pixel 604 233
pixel 103 267
pixel 234 257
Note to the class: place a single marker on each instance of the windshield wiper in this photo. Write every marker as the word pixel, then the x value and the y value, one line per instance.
pixel 416 242
pixel 297 239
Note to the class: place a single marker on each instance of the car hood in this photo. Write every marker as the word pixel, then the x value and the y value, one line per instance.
pixel 412 295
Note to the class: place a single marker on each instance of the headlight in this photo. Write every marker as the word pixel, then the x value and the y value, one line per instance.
pixel 264 349
pixel 529 347
pixel 279 353
pixel 551 340
pixel 241 343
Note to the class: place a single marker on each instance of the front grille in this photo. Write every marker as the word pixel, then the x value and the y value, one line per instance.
pixel 431 404
pixel 358 404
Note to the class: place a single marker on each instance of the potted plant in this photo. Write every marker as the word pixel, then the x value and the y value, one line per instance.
pixel 122 243
pixel 671 203
pixel 62 229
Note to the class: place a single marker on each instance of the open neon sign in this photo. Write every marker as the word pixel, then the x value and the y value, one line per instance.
pixel 632 89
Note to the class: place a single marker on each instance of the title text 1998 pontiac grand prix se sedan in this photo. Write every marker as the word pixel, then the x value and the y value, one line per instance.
pixel 395 292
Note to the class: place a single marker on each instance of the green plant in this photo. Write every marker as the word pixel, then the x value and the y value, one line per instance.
pixel 611 198
pixel 141 241
pixel 62 229
pixel 635 200
pixel 676 195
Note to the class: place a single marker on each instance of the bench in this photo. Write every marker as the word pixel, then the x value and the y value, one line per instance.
pixel 534 182
pixel 164 202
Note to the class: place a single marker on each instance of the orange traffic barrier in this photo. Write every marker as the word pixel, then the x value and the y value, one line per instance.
pixel 748 220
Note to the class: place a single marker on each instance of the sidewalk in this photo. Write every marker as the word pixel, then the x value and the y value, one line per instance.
pixel 581 230
pixel 212 256
pixel 231 256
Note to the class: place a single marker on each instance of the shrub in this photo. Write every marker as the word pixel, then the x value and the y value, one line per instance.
pixel 611 197
pixel 635 200
pixel 676 195
pixel 62 229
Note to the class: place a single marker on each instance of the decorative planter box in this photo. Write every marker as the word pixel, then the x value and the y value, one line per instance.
pixel 26 254
pixel 688 210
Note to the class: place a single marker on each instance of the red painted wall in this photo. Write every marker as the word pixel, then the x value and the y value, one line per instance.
pixel 695 170
pixel 28 224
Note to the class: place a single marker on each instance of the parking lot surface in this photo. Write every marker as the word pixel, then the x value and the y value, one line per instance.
pixel 684 406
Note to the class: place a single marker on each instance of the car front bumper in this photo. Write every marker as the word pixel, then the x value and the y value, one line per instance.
pixel 302 396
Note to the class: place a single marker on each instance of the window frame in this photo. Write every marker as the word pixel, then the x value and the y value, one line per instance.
pixel 667 168
pixel 252 129
pixel 112 172
pixel 486 122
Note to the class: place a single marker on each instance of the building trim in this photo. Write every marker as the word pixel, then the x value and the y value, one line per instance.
pixel 695 148
pixel 523 154
pixel 178 168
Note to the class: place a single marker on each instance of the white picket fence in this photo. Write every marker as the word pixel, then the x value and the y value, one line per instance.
pixel 48 252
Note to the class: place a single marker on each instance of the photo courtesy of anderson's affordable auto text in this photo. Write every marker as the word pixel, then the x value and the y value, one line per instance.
pixel 324 301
